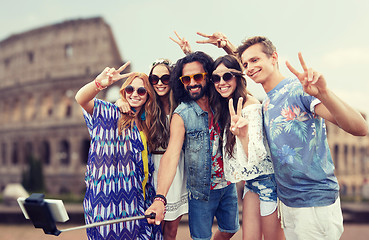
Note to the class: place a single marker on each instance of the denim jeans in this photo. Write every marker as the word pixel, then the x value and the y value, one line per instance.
pixel 222 204
pixel 266 187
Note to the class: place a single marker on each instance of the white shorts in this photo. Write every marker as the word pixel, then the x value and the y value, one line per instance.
pixel 312 222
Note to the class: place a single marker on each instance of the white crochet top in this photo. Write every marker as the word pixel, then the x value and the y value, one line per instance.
pixel 240 167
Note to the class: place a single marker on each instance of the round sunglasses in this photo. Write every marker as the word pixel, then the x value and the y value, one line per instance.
pixel 155 79
pixel 215 78
pixel 140 91
pixel 198 77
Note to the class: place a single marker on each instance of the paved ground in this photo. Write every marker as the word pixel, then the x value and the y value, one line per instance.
pixel 13 226
pixel 28 232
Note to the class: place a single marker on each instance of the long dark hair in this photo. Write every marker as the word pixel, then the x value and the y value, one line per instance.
pixel 221 111
pixel 161 121
pixel 179 92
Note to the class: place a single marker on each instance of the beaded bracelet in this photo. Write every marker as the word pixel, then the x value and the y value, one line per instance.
pixel 160 198
pixel 98 85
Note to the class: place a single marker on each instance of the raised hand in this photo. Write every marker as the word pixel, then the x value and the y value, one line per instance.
pixel 239 124
pixel 183 43
pixel 111 75
pixel 312 81
pixel 218 39
pixel 123 106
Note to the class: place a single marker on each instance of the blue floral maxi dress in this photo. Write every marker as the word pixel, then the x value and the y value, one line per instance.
pixel 114 178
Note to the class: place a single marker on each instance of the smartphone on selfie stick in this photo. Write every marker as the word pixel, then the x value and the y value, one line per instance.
pixel 45 212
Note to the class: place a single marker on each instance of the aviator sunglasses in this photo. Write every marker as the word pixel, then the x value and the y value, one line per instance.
pixel 215 78
pixel 140 91
pixel 155 79
pixel 198 77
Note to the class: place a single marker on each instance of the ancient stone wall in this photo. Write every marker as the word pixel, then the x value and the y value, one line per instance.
pixel 40 72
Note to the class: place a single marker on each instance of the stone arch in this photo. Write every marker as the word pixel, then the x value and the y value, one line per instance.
pixel 30 109
pixel 346 158
pixel 46 107
pixel 65 107
pixel 15 155
pixel 84 151
pixel 64 153
pixel 28 150
pixel 45 152
pixel 4 154
pixel 336 151
pixel 16 109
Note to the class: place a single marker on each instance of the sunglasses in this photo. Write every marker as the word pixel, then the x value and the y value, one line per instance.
pixel 155 79
pixel 215 78
pixel 140 91
pixel 198 77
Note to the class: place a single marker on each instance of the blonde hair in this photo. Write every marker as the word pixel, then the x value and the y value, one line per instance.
pixel 149 110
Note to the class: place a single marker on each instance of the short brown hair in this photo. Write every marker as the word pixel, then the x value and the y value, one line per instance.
pixel 267 46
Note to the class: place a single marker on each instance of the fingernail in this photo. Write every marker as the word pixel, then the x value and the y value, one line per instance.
pixel 157 223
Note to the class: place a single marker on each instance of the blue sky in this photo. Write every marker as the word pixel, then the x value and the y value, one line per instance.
pixel 332 35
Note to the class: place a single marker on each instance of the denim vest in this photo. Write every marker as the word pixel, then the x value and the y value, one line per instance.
pixel 197 154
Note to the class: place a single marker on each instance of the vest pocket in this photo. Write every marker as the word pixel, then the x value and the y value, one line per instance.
pixel 195 140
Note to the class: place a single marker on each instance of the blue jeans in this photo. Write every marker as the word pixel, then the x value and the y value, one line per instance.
pixel 266 187
pixel 222 204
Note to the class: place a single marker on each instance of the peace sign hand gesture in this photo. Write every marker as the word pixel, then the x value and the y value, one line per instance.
pixel 218 39
pixel 312 81
pixel 183 44
pixel 239 125
pixel 111 75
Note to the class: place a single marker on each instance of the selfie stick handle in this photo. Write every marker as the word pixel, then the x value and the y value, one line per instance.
pixel 151 216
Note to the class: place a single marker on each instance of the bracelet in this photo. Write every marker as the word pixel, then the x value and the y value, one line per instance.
pixel 161 198
pixel 98 85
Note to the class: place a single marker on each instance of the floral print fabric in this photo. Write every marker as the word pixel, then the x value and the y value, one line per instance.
pixel 297 138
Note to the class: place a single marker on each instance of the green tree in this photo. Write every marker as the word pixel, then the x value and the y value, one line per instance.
pixel 33 178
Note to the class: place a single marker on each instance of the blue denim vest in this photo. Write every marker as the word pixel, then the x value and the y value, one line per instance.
pixel 197 154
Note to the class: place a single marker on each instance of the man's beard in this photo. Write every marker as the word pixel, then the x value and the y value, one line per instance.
pixel 196 96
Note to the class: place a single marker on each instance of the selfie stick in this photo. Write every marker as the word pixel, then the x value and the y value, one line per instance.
pixel 44 212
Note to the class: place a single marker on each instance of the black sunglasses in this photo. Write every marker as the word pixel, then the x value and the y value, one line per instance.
pixel 155 79
pixel 198 77
pixel 140 91
pixel 215 78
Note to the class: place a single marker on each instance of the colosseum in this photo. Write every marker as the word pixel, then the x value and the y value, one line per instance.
pixel 40 72
pixel 351 159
